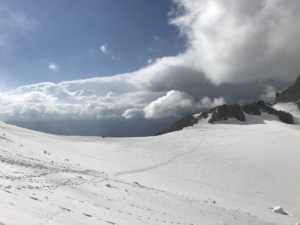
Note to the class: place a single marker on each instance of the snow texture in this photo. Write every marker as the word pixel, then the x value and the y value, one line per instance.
pixel 206 174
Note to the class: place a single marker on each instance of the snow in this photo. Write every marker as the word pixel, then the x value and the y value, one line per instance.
pixel 227 173
pixel 279 209
pixel 291 108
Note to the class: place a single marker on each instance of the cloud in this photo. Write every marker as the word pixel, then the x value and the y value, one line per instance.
pixel 158 39
pixel 240 41
pixel 103 49
pixel 52 66
pixel 133 113
pixel 115 58
pixel 149 61
pixel 233 49
pixel 13 26
pixel 269 94
pixel 207 103
pixel 178 103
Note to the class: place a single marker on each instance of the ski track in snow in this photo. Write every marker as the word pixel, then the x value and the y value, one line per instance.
pixel 206 174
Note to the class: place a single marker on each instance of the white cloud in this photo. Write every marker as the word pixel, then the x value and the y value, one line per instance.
pixel 133 113
pixel 227 42
pixel 149 61
pixel 172 103
pixel 269 94
pixel 52 66
pixel 207 103
pixel 239 41
pixel 177 103
pixel 103 49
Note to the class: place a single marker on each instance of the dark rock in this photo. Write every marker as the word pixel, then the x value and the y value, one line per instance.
pixel 252 109
pixel 180 124
pixel 224 112
pixel 292 94
pixel 286 117
pixel 258 107
pixel 277 94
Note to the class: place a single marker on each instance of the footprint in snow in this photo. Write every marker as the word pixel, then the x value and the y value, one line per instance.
pixel 36 199
pixel 65 209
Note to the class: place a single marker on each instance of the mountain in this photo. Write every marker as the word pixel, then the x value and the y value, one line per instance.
pixel 224 112
pixel 292 94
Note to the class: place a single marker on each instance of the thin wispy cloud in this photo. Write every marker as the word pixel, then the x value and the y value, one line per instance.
pixel 113 57
pixel 14 25
pixel 89 54
pixel 54 67
pixel 103 49
pixel 156 38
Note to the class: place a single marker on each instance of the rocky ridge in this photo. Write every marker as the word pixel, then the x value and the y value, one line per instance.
pixel 224 112
pixel 292 94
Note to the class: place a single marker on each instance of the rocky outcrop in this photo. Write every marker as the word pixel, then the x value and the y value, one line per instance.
pixel 286 117
pixel 224 112
pixel 180 124
pixel 257 108
pixel 292 94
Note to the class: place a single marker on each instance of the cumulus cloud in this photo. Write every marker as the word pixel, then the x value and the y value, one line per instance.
pixel 103 49
pixel 239 41
pixel 133 113
pixel 233 49
pixel 52 66
pixel 177 103
pixel 173 102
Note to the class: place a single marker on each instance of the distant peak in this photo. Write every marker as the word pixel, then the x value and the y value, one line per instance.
pixel 298 80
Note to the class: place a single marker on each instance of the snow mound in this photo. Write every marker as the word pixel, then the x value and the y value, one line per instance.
pixel 279 209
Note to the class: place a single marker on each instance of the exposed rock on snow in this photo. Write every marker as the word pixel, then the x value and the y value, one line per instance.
pixel 180 124
pixel 279 209
pixel 292 94
pixel 256 108
pixel 224 112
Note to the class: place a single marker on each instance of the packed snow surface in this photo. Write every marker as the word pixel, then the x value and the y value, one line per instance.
pixel 207 174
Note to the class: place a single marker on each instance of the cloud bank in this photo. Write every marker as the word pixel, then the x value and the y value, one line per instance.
pixel 233 49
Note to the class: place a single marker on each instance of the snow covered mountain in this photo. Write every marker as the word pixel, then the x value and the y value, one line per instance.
pixel 230 172
pixel 223 112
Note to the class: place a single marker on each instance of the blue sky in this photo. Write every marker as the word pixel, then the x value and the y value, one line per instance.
pixel 70 33
pixel 142 58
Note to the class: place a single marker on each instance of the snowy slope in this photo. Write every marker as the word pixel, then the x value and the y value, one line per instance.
pixel 226 173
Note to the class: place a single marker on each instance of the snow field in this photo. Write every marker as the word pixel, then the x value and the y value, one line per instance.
pixel 226 173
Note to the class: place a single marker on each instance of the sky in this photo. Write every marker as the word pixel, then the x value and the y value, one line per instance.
pixel 142 59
